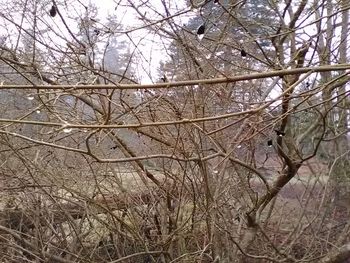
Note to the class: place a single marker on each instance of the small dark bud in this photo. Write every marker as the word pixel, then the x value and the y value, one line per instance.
pixel 53 11
pixel 280 133
pixel 164 79
pixel 269 143
pixel 114 147
pixel 216 1
pixel 243 53
pixel 97 32
pixel 201 30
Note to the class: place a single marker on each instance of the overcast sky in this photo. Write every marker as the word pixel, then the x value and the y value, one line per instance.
pixel 150 45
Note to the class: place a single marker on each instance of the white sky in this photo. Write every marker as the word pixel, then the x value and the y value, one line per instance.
pixel 151 46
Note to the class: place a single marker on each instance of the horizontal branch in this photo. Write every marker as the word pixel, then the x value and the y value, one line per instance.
pixel 183 83
pixel 135 125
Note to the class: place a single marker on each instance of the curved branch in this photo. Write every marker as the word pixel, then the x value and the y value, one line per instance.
pixel 185 83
